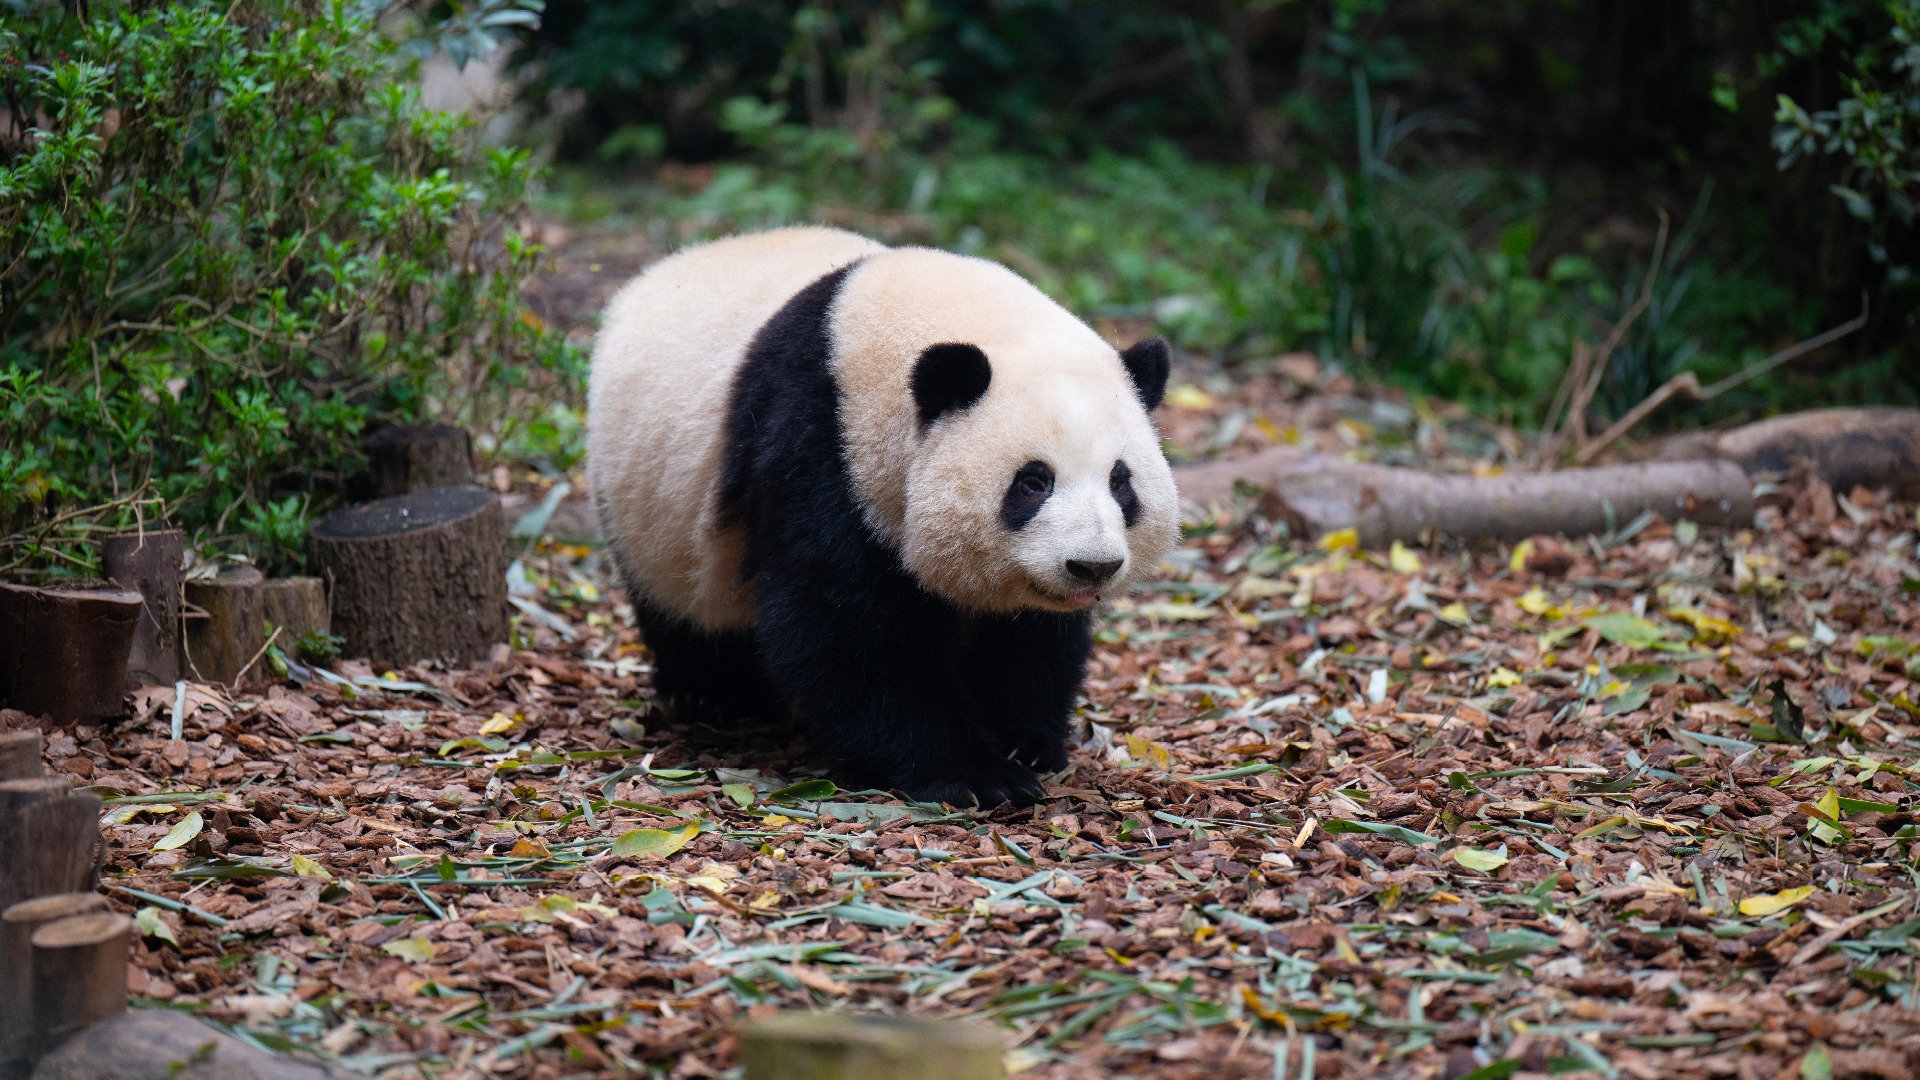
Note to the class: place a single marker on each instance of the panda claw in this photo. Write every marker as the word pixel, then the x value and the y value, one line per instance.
pixel 1015 784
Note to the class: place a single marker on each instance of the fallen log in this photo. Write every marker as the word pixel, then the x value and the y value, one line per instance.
pixel 63 650
pixel 406 458
pixel 416 577
pixel 836 1046
pixel 297 606
pixel 17 925
pixel 149 563
pixel 226 624
pixel 1872 448
pixel 1316 495
pixel 161 1044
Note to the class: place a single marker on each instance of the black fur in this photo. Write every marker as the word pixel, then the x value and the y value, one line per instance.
pixel 1120 483
pixel 947 378
pixel 1031 488
pixel 1148 363
pixel 900 687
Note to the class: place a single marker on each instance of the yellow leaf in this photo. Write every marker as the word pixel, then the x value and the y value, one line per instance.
pixel 414 950
pixel 126 812
pixel 499 723
pixel 305 867
pixel 1456 612
pixel 1477 859
pixel 1522 551
pixel 182 833
pixel 1705 626
pixel 529 848
pixel 1340 540
pixel 1774 902
pixel 1143 749
pixel 640 843
pixel 1402 559
pixel 1189 397
pixel 1537 602
pixel 774 821
pixel 1502 678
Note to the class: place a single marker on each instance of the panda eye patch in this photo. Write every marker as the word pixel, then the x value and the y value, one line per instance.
pixel 1120 483
pixel 1031 487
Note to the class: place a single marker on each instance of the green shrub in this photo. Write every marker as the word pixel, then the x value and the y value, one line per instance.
pixel 233 239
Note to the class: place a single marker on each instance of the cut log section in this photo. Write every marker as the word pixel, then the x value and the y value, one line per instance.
pixel 149 563
pixel 79 974
pixel 1316 495
pixel 17 925
pixel 50 837
pixel 1872 448
pixel 63 651
pixel 835 1046
pixel 405 459
pixel 226 624
pixel 20 754
pixel 161 1044
pixel 417 577
pixel 297 606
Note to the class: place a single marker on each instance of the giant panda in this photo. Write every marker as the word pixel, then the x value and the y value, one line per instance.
pixel 879 489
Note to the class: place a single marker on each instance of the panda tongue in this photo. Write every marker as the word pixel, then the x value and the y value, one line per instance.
pixel 1082 599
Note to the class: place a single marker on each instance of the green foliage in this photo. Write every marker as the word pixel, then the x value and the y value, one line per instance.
pixel 234 239
pixel 1873 131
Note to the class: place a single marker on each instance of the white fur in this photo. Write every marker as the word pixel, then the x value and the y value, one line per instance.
pixel 663 369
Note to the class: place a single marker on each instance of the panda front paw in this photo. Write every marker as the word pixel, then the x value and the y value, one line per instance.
pixel 986 786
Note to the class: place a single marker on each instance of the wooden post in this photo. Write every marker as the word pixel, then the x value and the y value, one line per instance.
pixel 150 564
pixel 79 974
pixel 17 925
pixel 63 651
pixel 405 459
pixel 836 1046
pixel 417 577
pixel 298 606
pixel 49 837
pixel 20 754
pixel 225 624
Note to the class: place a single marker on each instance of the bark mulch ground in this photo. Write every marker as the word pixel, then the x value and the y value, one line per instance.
pixel 1637 806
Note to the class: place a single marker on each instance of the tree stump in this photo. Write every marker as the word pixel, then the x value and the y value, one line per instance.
pixel 150 564
pixel 17 924
pixel 20 754
pixel 79 974
pixel 50 838
pixel 161 1044
pixel 63 651
pixel 298 606
pixel 225 624
pixel 835 1046
pixel 417 577
pixel 405 459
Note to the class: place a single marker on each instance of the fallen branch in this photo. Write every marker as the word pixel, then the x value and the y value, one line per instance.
pixel 1848 448
pixel 1687 383
pixel 1316 495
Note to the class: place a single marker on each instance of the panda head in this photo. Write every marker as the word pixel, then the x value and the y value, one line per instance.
pixel 1000 443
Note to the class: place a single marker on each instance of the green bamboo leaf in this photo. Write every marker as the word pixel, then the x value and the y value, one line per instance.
pixel 641 843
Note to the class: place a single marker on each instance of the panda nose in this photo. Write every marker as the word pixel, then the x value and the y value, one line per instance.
pixel 1092 573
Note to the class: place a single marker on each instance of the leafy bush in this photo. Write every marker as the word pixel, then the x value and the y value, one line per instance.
pixel 1874 129
pixel 233 240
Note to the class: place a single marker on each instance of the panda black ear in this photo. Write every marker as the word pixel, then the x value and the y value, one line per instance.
pixel 1148 362
pixel 949 377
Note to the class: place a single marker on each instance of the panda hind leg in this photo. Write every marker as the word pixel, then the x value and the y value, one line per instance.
pixel 698 674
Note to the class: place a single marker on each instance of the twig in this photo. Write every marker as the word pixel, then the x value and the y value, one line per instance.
pixel 1587 381
pixel 242 673
pixel 1687 383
